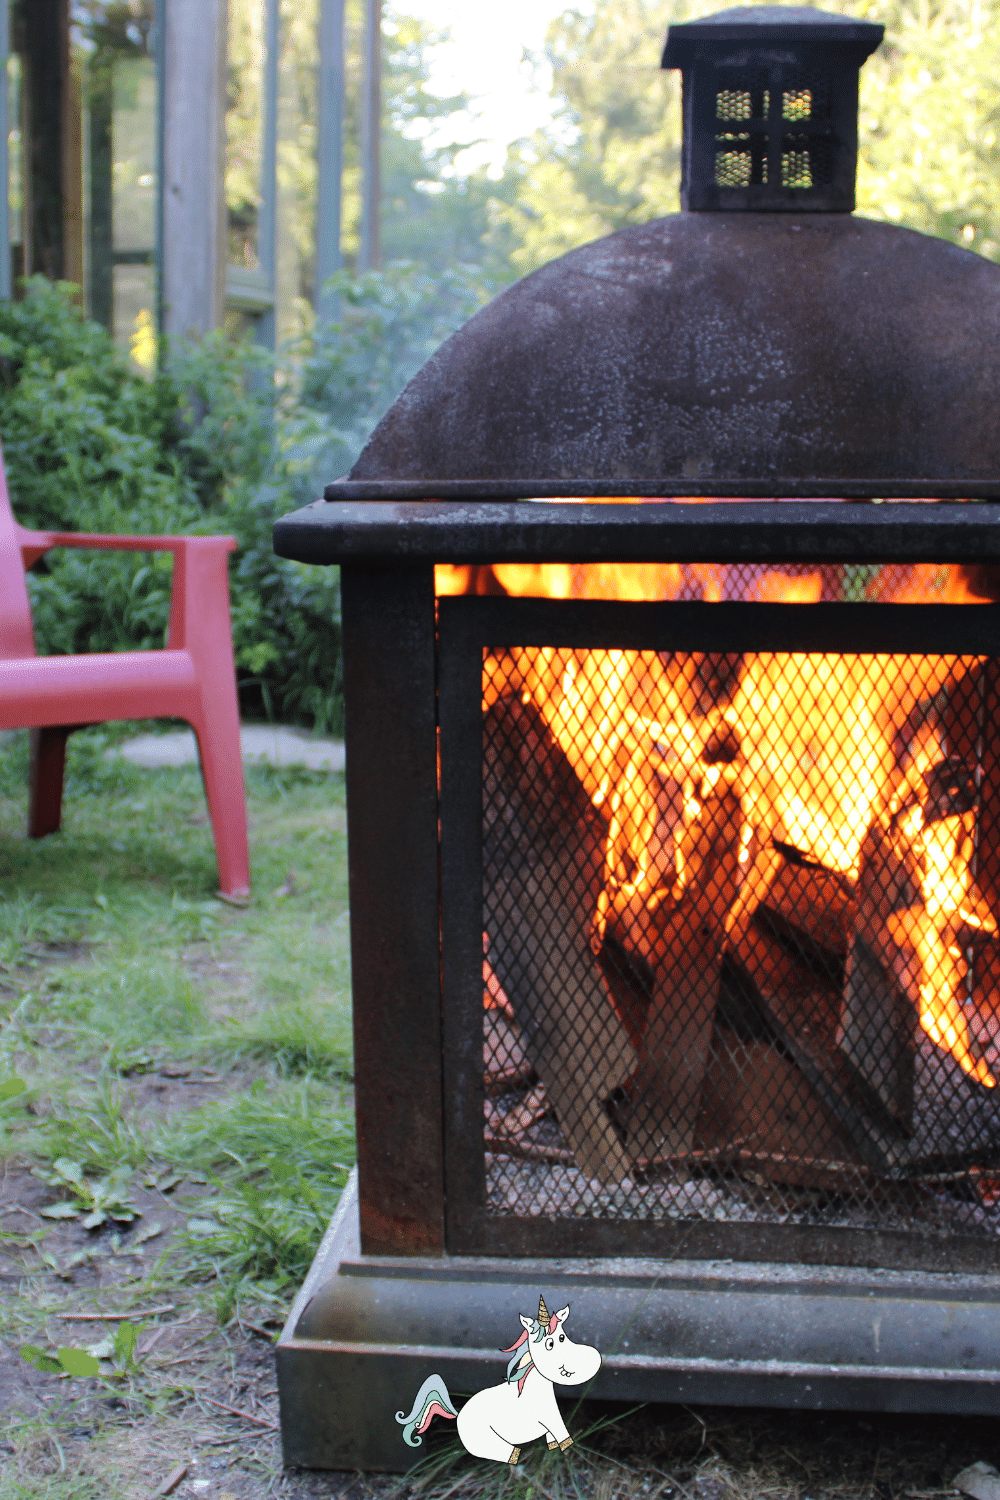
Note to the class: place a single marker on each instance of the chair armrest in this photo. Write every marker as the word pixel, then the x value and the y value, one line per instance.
pixel 199 591
pixel 34 544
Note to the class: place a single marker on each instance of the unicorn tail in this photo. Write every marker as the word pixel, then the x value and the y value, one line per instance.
pixel 432 1401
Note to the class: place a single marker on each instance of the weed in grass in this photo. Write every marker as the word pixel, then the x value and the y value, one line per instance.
pixel 29 927
pixel 134 1000
pixel 278 1160
pixel 17 1482
pixel 271 1231
pixel 61 1361
pixel 121 962
pixel 93 1203
pixel 307 1126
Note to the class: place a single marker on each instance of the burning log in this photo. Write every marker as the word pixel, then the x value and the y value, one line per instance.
pixel 512 1123
pixel 671 876
pixel 549 1155
pixel 800 1001
pixel 877 1032
pixel 543 863
pixel 811 912
pixel 908 962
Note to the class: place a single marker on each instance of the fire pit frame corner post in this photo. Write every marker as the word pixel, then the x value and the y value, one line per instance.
pixel 392 810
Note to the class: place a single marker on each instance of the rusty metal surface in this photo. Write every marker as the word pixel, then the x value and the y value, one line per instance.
pixel 759 25
pixel 391 756
pixel 715 348
pixel 366 1331
pixel 657 489
pixel 473 531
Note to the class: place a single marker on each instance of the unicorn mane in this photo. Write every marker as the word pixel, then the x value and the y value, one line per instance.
pixel 521 1364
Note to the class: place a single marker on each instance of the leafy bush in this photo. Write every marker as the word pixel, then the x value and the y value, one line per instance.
pixel 224 438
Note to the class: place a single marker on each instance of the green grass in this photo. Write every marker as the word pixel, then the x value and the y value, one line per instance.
pixel 116 961
pixel 119 971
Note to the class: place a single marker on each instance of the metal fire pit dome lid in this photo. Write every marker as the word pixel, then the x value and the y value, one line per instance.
pixel 788 23
pixel 723 354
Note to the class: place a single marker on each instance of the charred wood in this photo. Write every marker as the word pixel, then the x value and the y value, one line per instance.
pixel 543 862
pixel 810 910
pixel 553 1155
pixel 802 1012
pixel 877 1032
pixel 495 1085
pixel 757 1095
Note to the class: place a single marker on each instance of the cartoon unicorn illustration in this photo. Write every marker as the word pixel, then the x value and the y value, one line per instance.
pixel 496 1423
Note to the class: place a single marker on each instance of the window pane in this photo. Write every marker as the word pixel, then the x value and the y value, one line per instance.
pixel 114 42
pixel 245 131
pixel 15 166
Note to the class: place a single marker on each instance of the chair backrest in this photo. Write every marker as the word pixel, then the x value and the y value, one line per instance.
pixel 16 636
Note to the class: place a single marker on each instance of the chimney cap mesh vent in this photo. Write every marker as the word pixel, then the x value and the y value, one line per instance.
pixel 770 108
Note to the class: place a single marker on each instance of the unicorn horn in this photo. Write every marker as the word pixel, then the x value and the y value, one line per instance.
pixel 543 1312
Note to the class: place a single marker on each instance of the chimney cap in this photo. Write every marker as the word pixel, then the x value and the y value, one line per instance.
pixel 761 24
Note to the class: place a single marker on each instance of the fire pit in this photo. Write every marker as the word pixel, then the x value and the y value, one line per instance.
pixel 675 828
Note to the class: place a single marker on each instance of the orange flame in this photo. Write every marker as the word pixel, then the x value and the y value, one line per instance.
pixel 817 765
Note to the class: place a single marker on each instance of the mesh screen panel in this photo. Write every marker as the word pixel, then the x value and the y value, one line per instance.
pixel 733 104
pixel 734 167
pixel 740 958
pixel 888 584
pixel 796 167
pixel 796 104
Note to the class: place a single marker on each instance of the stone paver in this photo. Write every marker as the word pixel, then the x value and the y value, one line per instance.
pixel 277 745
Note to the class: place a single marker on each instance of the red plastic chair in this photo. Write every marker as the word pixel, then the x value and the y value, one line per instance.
pixel 193 678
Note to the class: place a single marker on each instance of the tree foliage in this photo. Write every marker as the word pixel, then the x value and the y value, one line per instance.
pixel 929 125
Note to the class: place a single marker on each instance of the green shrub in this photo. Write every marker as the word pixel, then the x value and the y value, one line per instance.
pixel 224 438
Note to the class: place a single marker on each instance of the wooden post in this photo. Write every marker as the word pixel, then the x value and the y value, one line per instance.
pixel 330 151
pixel 45 39
pixel 100 299
pixel 370 257
pixel 543 866
pixel 192 250
pixel 5 266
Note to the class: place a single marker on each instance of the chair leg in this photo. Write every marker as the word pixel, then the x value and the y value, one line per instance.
pixel 48 763
pixel 222 773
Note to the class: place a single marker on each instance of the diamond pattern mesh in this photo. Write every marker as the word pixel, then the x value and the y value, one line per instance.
pixel 740 952
pixel 796 104
pixel 734 104
pixel 741 155
pixel 733 166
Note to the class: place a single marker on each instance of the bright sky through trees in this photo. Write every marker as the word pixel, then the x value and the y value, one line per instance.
pixel 484 56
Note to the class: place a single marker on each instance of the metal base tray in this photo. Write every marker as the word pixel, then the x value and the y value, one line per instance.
pixel 365 1331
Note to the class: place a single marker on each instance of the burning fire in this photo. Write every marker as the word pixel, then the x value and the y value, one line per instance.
pixel 818 753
